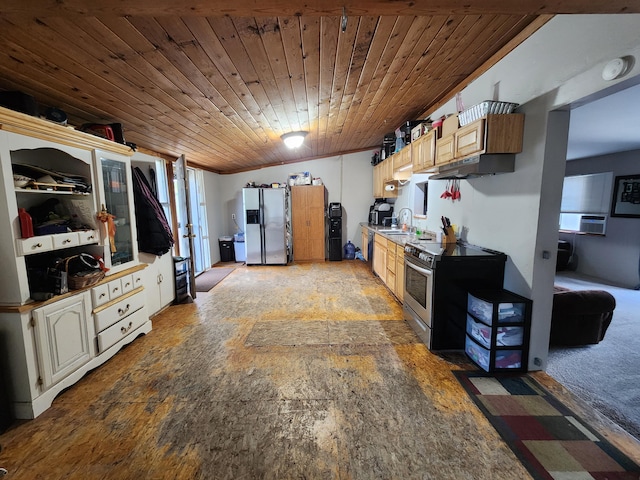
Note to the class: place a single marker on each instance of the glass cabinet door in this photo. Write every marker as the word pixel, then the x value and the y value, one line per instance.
pixel 115 210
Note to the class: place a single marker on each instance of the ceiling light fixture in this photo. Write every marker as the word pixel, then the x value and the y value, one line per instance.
pixel 617 68
pixel 293 139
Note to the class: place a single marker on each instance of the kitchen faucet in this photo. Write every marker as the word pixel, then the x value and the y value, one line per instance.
pixel 410 216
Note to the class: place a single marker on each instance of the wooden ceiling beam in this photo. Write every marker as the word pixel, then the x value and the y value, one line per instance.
pixel 251 8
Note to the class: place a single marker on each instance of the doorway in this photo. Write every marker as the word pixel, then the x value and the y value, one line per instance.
pixel 195 195
pixel 603 375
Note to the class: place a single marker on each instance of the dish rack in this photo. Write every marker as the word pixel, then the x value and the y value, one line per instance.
pixel 488 107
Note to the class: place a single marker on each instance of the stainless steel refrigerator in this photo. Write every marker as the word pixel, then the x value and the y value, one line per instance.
pixel 266 225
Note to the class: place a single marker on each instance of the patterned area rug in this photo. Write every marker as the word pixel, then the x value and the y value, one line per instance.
pixel 549 439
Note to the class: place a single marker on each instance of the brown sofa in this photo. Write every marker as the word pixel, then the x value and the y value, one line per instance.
pixel 580 317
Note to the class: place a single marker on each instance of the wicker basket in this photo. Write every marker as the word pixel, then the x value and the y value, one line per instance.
pixel 81 279
pixel 487 107
pixel 85 279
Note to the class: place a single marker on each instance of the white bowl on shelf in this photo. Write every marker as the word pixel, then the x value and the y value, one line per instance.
pixel 20 181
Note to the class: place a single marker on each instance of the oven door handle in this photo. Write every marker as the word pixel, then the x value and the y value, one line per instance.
pixel 418 269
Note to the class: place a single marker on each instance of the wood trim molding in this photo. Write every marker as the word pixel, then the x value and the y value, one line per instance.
pixel 251 8
pixel 28 125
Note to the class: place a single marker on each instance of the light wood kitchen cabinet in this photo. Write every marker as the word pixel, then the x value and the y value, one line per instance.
pixel 400 272
pixel 64 337
pixel 445 149
pixel 365 244
pixel 391 266
pixel 491 134
pixel 308 222
pixel 423 153
pixel 402 166
pixel 383 172
pixel 387 171
pixel 380 256
pixel 378 182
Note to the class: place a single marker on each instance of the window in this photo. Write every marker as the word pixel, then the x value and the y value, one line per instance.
pixel 585 202
pixel 420 198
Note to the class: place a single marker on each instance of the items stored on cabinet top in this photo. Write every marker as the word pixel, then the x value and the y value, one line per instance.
pixel 24 103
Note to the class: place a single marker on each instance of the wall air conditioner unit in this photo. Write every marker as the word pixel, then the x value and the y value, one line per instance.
pixel 595 224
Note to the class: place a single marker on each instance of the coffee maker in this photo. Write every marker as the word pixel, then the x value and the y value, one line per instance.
pixel 379 211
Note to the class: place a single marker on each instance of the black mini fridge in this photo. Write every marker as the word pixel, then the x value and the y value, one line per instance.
pixel 334 232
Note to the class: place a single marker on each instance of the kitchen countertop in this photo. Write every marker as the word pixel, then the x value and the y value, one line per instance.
pixel 399 238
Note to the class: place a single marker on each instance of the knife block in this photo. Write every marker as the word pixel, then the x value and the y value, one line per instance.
pixel 449 238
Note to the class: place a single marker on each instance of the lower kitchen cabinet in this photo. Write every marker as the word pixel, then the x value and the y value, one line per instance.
pixel 391 266
pixel 380 256
pixel 388 262
pixel 365 244
pixel 64 337
pixel 400 272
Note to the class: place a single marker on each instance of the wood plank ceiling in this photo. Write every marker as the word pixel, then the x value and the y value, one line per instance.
pixel 221 85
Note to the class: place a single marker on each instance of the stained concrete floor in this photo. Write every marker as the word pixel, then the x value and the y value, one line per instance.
pixel 304 371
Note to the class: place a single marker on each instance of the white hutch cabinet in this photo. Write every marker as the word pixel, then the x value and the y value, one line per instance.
pixel 159 276
pixel 48 341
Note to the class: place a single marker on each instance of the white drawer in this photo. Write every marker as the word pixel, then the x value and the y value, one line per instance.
pixel 119 310
pixel 127 283
pixel 100 295
pixel 88 236
pixel 27 246
pixel 65 240
pixel 121 329
pixel 115 288
pixel 137 279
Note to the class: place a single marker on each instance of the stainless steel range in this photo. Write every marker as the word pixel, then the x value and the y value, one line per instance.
pixel 436 283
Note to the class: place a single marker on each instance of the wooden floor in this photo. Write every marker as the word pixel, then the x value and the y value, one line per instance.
pixel 305 371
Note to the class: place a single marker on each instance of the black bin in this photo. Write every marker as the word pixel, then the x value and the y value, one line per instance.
pixel 181 267
pixel 227 250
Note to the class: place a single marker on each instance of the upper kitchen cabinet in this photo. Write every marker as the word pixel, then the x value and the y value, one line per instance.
pixel 423 152
pixel 383 174
pixel 115 209
pixel 491 134
pixel 402 165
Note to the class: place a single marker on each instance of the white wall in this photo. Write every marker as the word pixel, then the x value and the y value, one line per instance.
pixel 215 214
pixel 614 257
pixel 347 178
pixel 517 213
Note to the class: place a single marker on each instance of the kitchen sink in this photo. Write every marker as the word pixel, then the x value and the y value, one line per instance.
pixel 393 231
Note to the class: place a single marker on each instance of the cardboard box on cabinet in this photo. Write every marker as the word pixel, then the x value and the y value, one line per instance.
pixel 450 125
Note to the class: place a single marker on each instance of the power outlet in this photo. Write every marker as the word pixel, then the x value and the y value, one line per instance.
pixel 233 216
